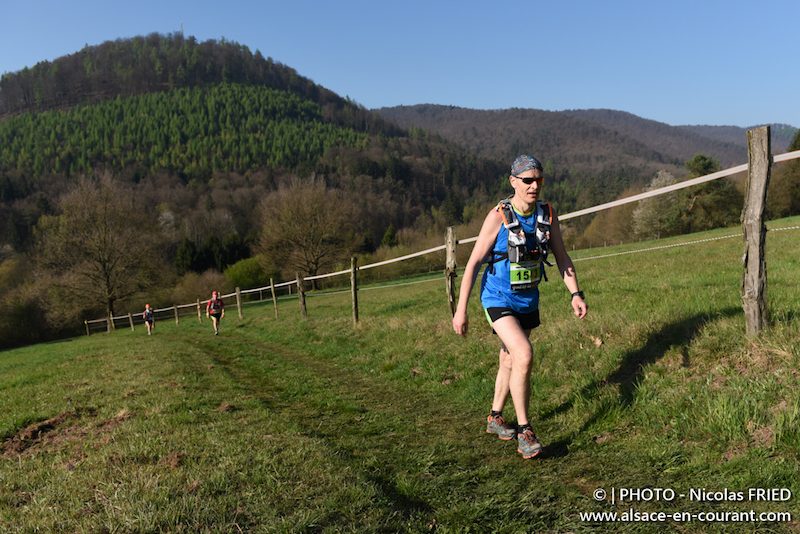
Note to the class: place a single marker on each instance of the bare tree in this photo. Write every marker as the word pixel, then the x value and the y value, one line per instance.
pixel 307 227
pixel 101 248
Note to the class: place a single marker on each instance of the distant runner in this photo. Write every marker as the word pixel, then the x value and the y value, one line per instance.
pixel 149 318
pixel 216 310
pixel 515 240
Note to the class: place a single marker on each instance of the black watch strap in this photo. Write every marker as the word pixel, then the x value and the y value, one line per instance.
pixel 579 294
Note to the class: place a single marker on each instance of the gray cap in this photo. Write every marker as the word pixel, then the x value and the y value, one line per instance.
pixel 525 163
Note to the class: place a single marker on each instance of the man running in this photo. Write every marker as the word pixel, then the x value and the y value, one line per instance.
pixel 515 239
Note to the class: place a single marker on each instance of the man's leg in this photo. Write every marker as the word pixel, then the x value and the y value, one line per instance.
pixel 518 355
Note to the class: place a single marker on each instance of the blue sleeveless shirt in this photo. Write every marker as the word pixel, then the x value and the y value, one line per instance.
pixel 496 283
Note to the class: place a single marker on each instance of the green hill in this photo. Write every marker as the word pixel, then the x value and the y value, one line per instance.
pixel 214 117
pixel 190 132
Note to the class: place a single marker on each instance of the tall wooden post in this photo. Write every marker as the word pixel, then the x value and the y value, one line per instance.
pixel 754 275
pixel 239 302
pixel 130 320
pixel 199 314
pixel 450 268
pixel 87 327
pixel 354 288
pixel 301 296
pixel 274 300
pixel 175 307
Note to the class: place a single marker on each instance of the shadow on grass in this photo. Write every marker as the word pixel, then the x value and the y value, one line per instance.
pixel 630 371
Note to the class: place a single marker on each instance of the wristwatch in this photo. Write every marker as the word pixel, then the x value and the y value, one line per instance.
pixel 579 294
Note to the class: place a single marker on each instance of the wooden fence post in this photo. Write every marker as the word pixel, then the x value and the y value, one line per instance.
pixel 450 268
pixel 110 322
pixel 301 296
pixel 175 307
pixel 87 327
pixel 199 314
pixel 274 300
pixel 130 320
pixel 754 276
pixel 239 302
pixel 354 288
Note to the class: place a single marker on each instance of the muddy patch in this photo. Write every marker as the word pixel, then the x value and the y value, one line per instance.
pixel 64 430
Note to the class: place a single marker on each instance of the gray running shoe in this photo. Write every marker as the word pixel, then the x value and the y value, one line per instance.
pixel 497 425
pixel 529 446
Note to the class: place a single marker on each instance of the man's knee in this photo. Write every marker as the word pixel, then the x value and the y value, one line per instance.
pixel 523 358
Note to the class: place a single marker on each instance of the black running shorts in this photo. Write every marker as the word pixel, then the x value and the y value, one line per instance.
pixel 528 321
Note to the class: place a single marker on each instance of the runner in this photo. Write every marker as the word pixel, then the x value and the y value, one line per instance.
pixel 149 318
pixel 510 294
pixel 216 310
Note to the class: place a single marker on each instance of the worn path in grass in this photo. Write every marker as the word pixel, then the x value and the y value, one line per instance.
pixel 429 462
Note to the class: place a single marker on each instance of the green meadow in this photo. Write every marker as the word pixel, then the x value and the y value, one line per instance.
pixel 655 403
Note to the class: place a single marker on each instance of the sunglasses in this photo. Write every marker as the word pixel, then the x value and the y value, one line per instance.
pixel 529 181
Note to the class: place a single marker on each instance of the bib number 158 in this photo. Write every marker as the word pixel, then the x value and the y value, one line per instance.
pixel 525 275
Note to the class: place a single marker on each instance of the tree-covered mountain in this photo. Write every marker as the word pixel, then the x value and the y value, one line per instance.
pixel 781 134
pixel 572 144
pixel 672 141
pixel 196 125
pixel 594 139
pixel 140 65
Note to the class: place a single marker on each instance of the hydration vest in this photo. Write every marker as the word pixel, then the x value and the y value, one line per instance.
pixel 526 253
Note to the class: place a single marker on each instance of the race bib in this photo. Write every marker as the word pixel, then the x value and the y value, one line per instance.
pixel 525 275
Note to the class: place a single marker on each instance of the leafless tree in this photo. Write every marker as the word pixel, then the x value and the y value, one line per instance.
pixel 101 248
pixel 307 227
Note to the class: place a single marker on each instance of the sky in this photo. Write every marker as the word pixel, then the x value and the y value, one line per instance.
pixel 680 62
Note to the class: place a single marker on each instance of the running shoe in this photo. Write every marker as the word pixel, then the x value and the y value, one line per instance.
pixel 529 446
pixel 497 425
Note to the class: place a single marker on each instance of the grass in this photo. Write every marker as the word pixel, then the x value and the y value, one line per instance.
pixel 315 425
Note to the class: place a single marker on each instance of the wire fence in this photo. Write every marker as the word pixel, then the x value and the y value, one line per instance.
pixel 245 297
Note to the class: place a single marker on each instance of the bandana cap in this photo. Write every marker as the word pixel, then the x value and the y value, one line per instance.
pixel 525 163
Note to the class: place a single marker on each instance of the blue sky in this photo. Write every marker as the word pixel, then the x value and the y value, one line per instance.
pixel 677 62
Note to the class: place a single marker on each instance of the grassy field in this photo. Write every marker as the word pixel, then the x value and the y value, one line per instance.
pixel 314 425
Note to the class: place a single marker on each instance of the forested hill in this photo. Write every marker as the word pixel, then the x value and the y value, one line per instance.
pixel 139 65
pixel 574 146
pixel 584 141
pixel 673 141
pixel 727 143
pixel 782 134
pixel 196 125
